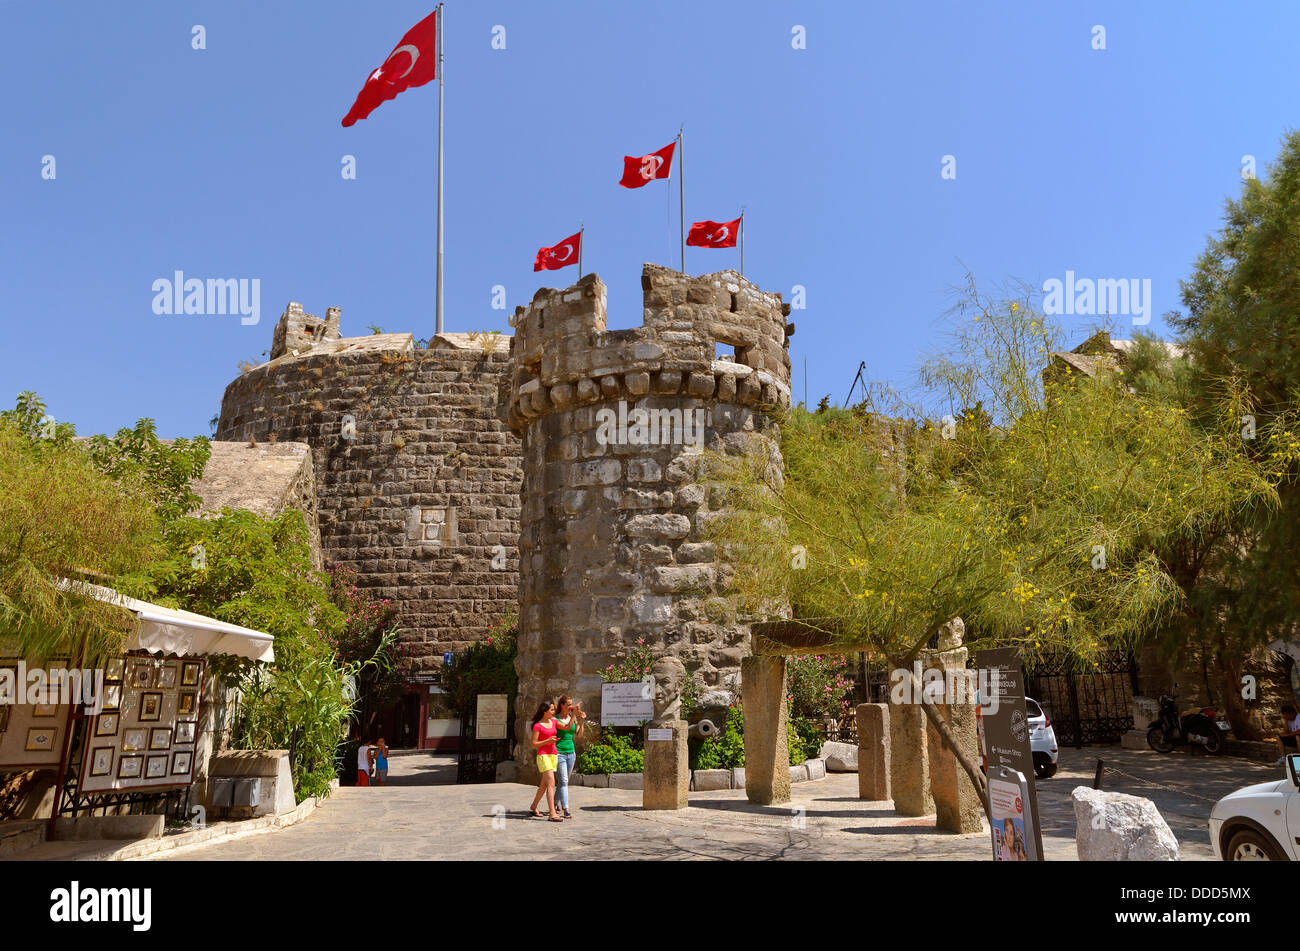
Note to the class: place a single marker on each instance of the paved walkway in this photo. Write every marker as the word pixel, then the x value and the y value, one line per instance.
pixel 825 820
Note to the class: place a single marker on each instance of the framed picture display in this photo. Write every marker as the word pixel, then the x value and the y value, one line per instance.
pixel 181 762
pixel 186 703
pixel 167 677
pixel 43 711
pixel 101 761
pixel 160 738
pixel 134 739
pixel 40 739
pixel 190 673
pixel 130 767
pixel 112 696
pixel 142 676
pixel 185 732
pixel 106 724
pixel 156 766
pixel 113 669
pixel 150 707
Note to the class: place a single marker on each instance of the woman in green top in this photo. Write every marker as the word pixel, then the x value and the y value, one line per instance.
pixel 568 725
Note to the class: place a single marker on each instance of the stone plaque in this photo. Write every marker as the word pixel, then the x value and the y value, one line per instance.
pixel 656 734
pixel 626 704
pixel 490 723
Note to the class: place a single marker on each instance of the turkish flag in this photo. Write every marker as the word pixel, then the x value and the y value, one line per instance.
pixel 562 255
pixel 713 234
pixel 413 62
pixel 639 170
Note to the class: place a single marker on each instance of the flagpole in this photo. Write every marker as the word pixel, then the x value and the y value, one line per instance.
pixel 742 242
pixel 441 83
pixel 681 186
pixel 581 228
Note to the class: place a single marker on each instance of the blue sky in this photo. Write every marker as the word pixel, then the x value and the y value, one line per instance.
pixel 225 163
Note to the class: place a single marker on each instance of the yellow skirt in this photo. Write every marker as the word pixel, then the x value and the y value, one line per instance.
pixel 546 762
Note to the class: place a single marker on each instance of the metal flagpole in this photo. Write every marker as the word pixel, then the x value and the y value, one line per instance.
pixel 742 242
pixel 681 185
pixel 441 84
pixel 581 228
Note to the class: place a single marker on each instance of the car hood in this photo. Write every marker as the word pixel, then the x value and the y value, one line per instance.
pixel 1260 789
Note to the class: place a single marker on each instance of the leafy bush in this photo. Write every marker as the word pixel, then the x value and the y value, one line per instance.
pixel 638 664
pixel 613 753
pixel 728 750
pixel 486 666
pixel 819 685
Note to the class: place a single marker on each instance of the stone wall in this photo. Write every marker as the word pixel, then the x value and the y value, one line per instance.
pixel 612 547
pixel 416 478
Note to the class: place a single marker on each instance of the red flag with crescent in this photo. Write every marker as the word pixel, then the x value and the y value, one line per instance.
pixel 713 234
pixel 640 170
pixel 561 255
pixel 413 62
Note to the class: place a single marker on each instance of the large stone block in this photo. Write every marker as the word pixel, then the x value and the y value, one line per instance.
pixel 625 781
pixel 957 805
pixel 1111 827
pixel 711 779
pixel 840 757
pixel 873 751
pixel 667 776
pixel 909 761
pixel 767 757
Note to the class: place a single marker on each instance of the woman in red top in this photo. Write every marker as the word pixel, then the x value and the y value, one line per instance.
pixel 543 740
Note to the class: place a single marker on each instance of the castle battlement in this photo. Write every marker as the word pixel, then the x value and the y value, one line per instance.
pixel 564 356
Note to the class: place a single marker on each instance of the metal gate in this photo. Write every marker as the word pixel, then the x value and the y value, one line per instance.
pixel 476 760
pixel 1088 702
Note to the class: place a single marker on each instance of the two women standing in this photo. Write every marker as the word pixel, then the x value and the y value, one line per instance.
pixel 552 740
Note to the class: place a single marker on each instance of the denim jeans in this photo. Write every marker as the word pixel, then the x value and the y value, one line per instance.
pixel 563 767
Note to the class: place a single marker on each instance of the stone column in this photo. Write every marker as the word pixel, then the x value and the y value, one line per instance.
pixel 667 776
pixel 873 751
pixel 909 762
pixel 956 803
pixel 767 757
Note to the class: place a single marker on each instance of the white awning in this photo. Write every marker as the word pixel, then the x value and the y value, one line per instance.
pixel 163 630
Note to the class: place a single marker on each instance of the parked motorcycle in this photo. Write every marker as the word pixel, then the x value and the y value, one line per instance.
pixel 1196 728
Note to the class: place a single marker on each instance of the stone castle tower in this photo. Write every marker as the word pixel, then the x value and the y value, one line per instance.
pixel 611 544
pixel 416 479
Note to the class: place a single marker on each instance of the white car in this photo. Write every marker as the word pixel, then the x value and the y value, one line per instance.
pixel 1260 822
pixel 1042 740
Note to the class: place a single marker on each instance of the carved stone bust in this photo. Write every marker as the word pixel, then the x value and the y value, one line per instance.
pixel 669 675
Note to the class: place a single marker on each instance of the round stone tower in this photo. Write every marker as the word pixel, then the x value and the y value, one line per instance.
pixel 612 551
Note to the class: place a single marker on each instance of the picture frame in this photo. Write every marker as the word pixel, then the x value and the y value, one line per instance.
pixel 112 696
pixel 186 703
pixel 190 673
pixel 184 733
pixel 44 711
pixel 130 767
pixel 135 739
pixel 167 677
pixel 150 707
pixel 160 738
pixel 142 676
pixel 101 761
pixel 106 724
pixel 181 763
pixel 155 766
pixel 40 739
pixel 114 668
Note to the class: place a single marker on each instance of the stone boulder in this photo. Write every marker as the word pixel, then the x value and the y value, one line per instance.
pixel 840 757
pixel 1113 826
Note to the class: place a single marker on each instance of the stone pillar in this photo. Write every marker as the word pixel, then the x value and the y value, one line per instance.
pixel 667 776
pixel 909 762
pixel 767 757
pixel 873 751
pixel 957 805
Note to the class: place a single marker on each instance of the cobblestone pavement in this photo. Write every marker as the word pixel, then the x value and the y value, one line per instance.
pixel 825 819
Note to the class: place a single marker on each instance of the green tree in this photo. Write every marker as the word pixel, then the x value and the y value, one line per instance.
pixel 1038 517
